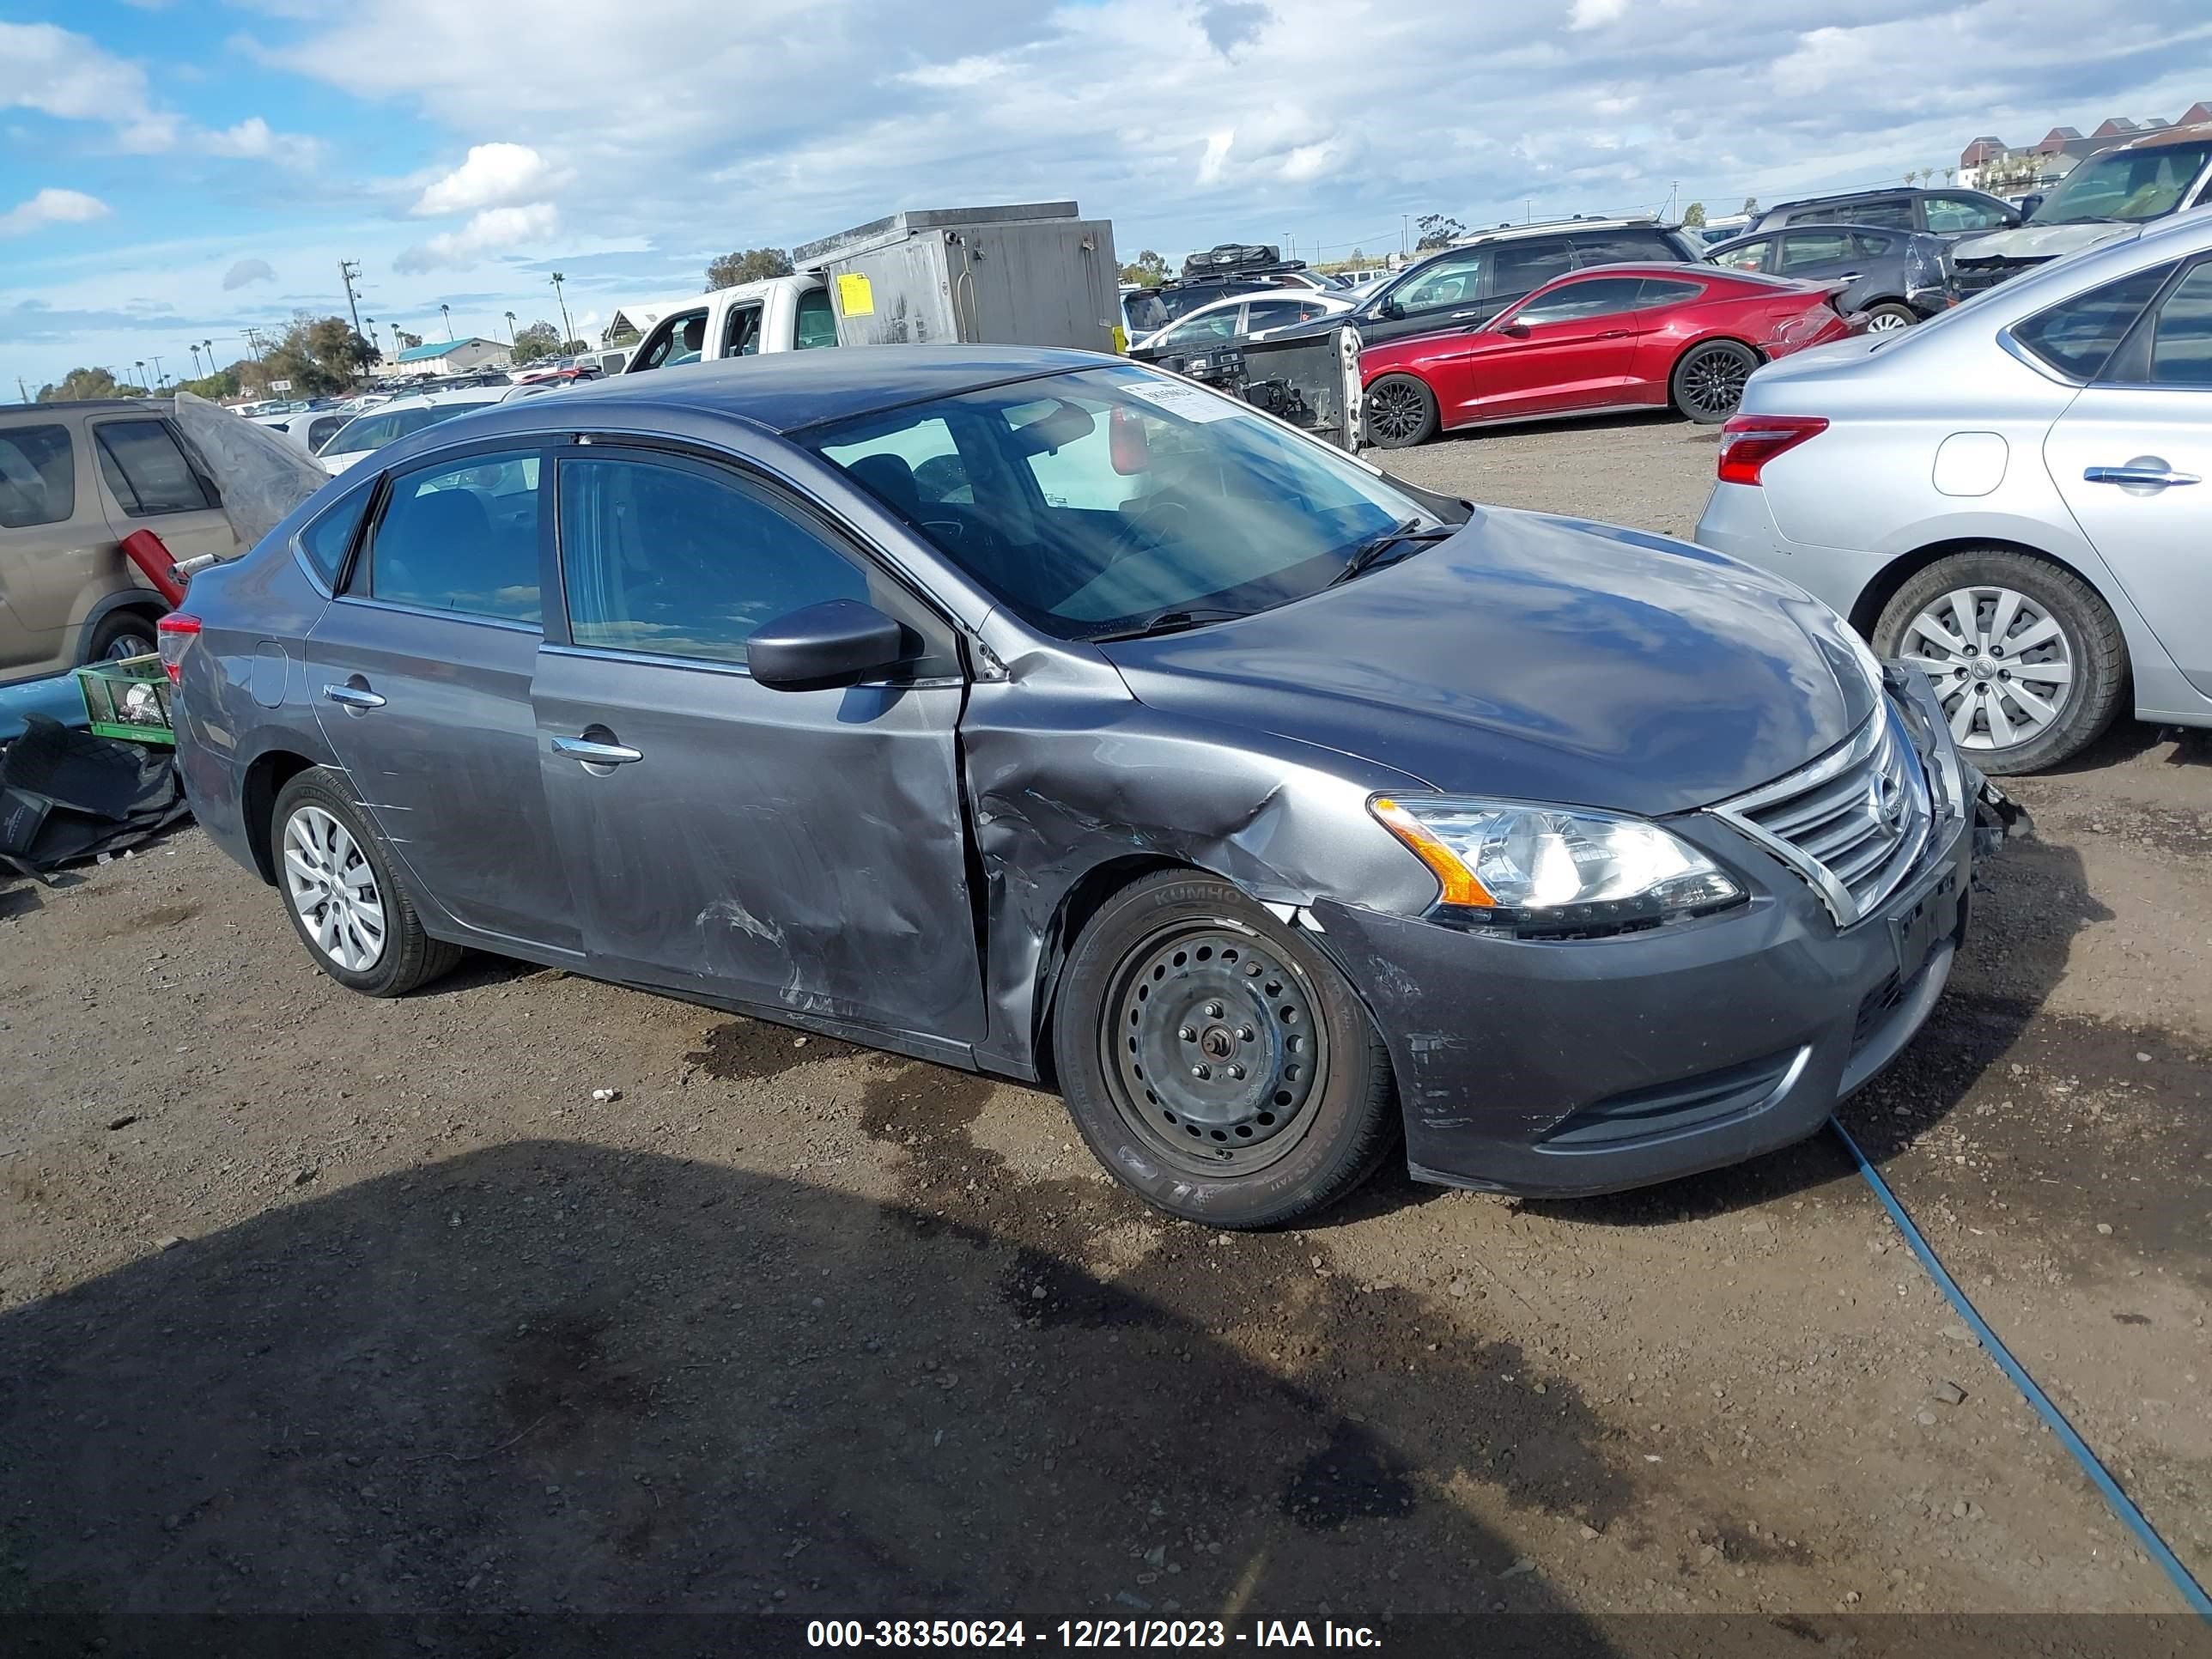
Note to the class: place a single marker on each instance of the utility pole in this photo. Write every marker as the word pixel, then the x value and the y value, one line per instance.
pixel 349 272
pixel 160 379
pixel 1405 230
pixel 24 390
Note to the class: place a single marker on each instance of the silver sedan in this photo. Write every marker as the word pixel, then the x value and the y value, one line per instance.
pixel 2011 496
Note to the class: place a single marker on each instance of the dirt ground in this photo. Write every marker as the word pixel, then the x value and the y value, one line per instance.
pixel 313 1305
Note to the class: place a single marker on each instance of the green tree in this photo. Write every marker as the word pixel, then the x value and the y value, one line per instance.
pixel 1751 205
pixel 215 387
pixel 407 342
pixel 537 340
pixel 319 355
pixel 752 264
pixel 83 385
pixel 1694 214
pixel 1147 268
pixel 1437 231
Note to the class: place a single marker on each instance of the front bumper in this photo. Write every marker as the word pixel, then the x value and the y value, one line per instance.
pixel 1558 1068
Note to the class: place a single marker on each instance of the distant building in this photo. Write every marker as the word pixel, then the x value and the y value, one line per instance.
pixel 2058 152
pixel 452 357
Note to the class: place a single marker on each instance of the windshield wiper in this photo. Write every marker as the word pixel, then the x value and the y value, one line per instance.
pixel 1171 622
pixel 1368 553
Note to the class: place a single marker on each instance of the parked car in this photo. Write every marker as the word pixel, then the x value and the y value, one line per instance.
pixel 2108 198
pixel 1937 212
pixel 75 479
pixel 307 430
pixel 1229 271
pixel 1035 712
pixel 2006 496
pixel 780 314
pixel 367 433
pixel 1624 337
pixel 1183 345
pixel 1895 277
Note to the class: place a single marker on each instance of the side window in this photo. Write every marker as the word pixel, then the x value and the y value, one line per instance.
pixel 1615 247
pixel 1872 244
pixel 679 561
pixel 1274 313
pixel 1892 213
pixel 325 427
pixel 1453 280
pixel 38 476
pixel 817 323
pixel 1752 256
pixel 1667 291
pixel 326 541
pixel 2075 335
pixel 741 332
pixel 916 466
pixel 1599 297
pixel 677 340
pixel 1517 267
pixel 1955 213
pixel 1214 325
pixel 2181 341
pixel 147 471
pixel 461 538
pixel 1803 250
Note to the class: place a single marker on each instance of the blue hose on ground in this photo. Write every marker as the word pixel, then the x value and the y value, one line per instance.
pixel 2121 1504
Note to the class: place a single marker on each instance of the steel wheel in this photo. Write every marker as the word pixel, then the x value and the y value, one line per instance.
pixel 1397 412
pixel 333 889
pixel 2002 664
pixel 1211 1049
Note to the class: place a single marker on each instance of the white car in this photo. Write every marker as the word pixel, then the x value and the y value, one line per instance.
pixel 367 433
pixel 1241 316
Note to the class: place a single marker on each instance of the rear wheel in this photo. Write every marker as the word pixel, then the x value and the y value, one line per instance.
pixel 1888 317
pixel 122 634
pixel 1215 1061
pixel 2027 660
pixel 1708 383
pixel 336 873
pixel 1400 412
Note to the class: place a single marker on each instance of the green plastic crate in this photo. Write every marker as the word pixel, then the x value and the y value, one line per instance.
pixel 128 699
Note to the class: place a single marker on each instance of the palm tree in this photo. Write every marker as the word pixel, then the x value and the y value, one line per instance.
pixel 446 311
pixel 566 330
pixel 510 328
pixel 140 365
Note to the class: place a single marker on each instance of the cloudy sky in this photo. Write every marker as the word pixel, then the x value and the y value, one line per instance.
pixel 174 171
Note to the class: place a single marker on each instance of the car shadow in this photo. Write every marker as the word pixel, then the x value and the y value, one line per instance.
pixel 474 1405
pixel 2127 739
pixel 2029 903
pixel 1614 422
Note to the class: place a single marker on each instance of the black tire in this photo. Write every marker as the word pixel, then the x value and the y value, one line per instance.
pixel 409 957
pixel 1310 1110
pixel 1890 314
pixel 122 634
pixel 1707 384
pixel 1400 412
pixel 2097 655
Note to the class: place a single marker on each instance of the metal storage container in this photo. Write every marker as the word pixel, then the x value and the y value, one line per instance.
pixel 1031 273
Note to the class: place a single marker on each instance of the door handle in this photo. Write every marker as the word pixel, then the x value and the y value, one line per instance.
pixel 1464 316
pixel 353 696
pixel 2146 473
pixel 597 754
pixel 1849 276
pixel 1614 334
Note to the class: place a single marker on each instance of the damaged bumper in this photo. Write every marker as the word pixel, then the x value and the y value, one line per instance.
pixel 1562 1067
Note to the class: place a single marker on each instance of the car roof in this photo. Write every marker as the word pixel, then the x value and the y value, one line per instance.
pixel 160 405
pixel 1814 225
pixel 2162 138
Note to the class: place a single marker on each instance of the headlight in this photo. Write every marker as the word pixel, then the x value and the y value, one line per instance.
pixel 1551 869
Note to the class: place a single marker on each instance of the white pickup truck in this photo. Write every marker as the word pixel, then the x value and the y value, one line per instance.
pixel 783 313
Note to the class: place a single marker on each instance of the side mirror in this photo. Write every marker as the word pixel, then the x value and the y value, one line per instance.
pixel 1514 331
pixel 1390 308
pixel 821 646
pixel 2028 205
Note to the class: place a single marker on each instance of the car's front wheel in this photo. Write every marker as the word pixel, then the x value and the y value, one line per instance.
pixel 1708 383
pixel 336 873
pixel 1888 317
pixel 2027 660
pixel 1401 412
pixel 1215 1061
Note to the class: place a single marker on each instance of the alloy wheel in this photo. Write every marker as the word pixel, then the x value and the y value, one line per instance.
pixel 333 889
pixel 2001 664
pixel 1886 322
pixel 1713 380
pixel 1214 1054
pixel 124 647
pixel 1395 413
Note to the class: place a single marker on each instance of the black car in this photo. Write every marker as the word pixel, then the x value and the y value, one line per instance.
pixel 1470 283
pixel 1897 276
pixel 1940 212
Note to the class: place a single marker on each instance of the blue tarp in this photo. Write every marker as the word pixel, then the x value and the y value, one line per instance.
pixel 57 697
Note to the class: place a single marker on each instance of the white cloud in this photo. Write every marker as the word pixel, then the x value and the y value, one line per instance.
pixel 53 207
pixel 253 139
pixel 494 175
pixel 493 231
pixel 245 273
pixel 1596 14
pixel 70 78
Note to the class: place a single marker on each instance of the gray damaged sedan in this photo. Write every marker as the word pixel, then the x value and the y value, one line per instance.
pixel 1037 712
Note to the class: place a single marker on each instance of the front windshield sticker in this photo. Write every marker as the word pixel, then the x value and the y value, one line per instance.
pixel 1186 401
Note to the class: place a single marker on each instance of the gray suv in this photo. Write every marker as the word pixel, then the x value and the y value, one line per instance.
pixel 75 480
pixel 1471 282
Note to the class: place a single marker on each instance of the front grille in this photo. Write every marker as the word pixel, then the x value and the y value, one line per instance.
pixel 1852 823
pixel 1874 1007
pixel 1972 278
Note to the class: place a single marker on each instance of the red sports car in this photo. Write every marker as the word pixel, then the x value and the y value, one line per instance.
pixel 1614 338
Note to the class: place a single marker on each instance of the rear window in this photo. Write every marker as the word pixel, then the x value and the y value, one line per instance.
pixel 2076 336
pixel 38 476
pixel 147 471
pixel 326 541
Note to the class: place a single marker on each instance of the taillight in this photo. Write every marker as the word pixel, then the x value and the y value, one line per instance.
pixel 176 631
pixel 1749 442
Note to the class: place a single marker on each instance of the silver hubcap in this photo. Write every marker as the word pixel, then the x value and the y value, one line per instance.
pixel 333 889
pixel 1885 322
pixel 2001 662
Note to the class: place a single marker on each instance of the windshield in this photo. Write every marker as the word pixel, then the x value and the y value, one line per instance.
pixel 2129 185
pixel 1091 502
